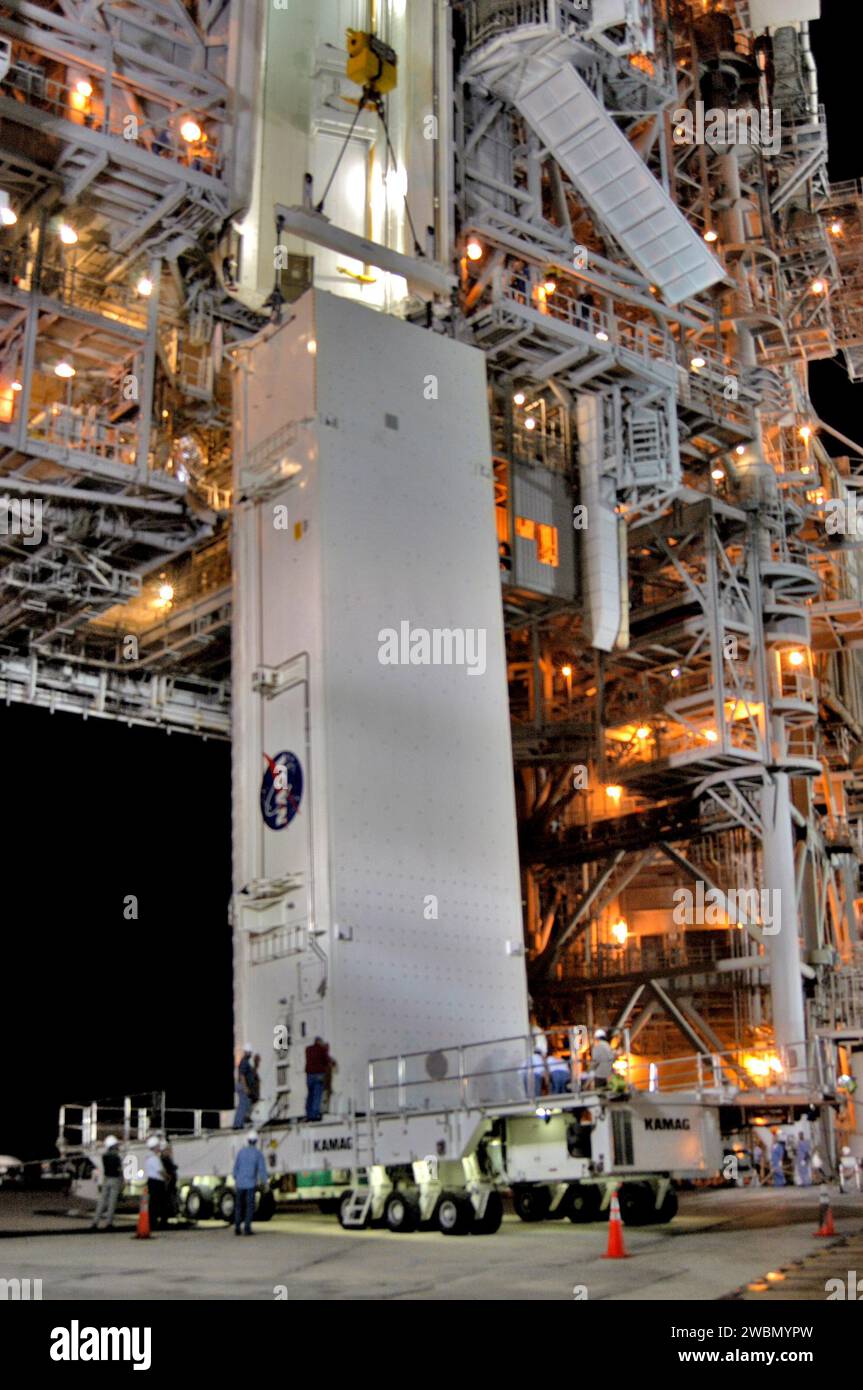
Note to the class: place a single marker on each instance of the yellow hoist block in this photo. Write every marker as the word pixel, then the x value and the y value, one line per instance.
pixel 371 63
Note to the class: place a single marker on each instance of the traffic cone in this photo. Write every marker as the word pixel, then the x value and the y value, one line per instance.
pixel 142 1231
pixel 615 1249
pixel 825 1214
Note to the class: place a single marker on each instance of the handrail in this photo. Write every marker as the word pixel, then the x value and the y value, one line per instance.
pixel 33 87
pixel 407 1082
pixel 132 1123
pixel 702 373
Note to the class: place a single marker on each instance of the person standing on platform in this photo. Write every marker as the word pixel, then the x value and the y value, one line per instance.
pixel 319 1064
pixel 245 1087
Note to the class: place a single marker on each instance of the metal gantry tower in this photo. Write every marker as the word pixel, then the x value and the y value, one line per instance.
pixel 631 203
pixel 648 299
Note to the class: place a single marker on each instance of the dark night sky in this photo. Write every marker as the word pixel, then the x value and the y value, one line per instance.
pixel 835 43
pixel 93 1005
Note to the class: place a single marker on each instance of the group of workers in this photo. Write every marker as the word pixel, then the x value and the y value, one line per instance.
pixel 160 1172
pixel 792 1158
pixel 551 1072
pixel 319 1076
pixel 799 1154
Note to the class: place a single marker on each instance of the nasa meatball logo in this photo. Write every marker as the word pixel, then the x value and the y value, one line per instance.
pixel 281 790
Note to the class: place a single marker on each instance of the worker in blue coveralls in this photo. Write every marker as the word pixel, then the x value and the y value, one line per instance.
pixel 249 1170
pixel 245 1088
pixel 777 1161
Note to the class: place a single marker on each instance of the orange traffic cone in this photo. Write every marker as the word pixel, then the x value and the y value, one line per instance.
pixel 615 1249
pixel 825 1215
pixel 142 1231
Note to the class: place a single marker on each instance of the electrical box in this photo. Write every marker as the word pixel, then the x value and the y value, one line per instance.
pixel 543 560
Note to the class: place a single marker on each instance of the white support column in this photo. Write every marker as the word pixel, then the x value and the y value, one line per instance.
pixel 785 978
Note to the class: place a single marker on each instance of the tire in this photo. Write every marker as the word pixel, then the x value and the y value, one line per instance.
pixel 583 1203
pixel 265 1206
pixel 668 1210
pixel 531 1202
pixel 198 1204
pixel 454 1214
pixel 559 1212
pixel 490 1221
pixel 401 1213
pixel 344 1203
pixel 637 1204
pixel 226 1204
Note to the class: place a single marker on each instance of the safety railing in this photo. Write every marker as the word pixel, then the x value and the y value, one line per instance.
pixel 538 432
pixel 30 84
pixel 67 284
pixel 514 1070
pixel 489 19
pixel 696 950
pixel 704 378
pixel 72 427
pixel 797 1068
pixel 502 1071
pixel 129 1120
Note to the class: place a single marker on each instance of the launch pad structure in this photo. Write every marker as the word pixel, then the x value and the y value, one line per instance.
pixel 578 256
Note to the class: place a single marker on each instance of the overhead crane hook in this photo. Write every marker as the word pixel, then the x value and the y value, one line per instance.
pixel 373 66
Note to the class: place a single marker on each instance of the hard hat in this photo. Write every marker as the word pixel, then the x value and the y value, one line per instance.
pixel 845 1149
pixel 247 1047
pixel 111 1141
pixel 152 1142
pixel 252 1136
pixel 600 1033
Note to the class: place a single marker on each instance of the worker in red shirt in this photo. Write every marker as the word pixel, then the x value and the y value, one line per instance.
pixel 319 1064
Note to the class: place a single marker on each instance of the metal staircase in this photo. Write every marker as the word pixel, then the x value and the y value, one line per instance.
pixel 531 66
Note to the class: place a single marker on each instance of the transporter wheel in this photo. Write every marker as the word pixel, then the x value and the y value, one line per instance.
pixel 531 1203
pixel 583 1203
pixel 561 1210
pixel 226 1204
pixel 344 1203
pixel 491 1219
pixel 668 1209
pixel 265 1205
pixel 401 1213
pixel 198 1205
pixel 454 1214
pixel 637 1204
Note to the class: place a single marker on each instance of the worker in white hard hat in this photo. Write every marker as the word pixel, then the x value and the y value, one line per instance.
pixel 601 1061
pixel 245 1087
pixel 250 1171
pixel 111 1185
pixel 848 1170
pixel 155 1175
